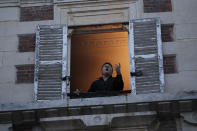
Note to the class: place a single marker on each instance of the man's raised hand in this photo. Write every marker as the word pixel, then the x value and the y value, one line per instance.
pixel 117 68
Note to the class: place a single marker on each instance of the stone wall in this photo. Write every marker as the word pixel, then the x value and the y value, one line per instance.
pixel 179 36
pixel 17 40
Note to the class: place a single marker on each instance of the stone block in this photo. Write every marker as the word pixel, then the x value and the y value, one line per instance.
pixel 186 31
pixel 120 108
pixel 7 74
pixel 153 106
pixel 9 14
pixel 73 111
pixel 22 93
pixel 143 107
pixel 5 127
pixel 185 106
pixel 108 109
pixel 68 125
pixel 63 112
pixel 97 109
pixel 5 117
pixel 194 105
pixel 16 58
pixel 132 121
pixel 29 116
pixel 167 125
pixel 164 107
pixel 97 14
pixel 17 117
pixel 86 110
pixel 132 108
pixel 9 43
pixel 175 107
pixel 52 112
pixel 41 113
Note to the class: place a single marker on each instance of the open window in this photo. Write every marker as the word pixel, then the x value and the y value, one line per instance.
pixel 79 57
pixel 91 47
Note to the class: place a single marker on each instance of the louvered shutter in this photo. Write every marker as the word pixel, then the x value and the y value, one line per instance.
pixel 146 56
pixel 50 62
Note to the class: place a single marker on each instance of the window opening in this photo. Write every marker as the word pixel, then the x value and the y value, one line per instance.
pixel 91 47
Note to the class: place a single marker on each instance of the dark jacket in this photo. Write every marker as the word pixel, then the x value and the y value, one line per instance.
pixel 112 84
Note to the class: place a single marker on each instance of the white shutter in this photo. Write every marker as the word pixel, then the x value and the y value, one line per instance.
pixel 50 62
pixel 146 56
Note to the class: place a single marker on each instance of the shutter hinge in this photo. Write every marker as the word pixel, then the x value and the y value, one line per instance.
pixel 67 79
pixel 70 32
pixel 137 73
pixel 126 27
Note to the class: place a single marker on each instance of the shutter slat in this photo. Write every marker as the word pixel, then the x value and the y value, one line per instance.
pixel 149 91
pixel 50 48
pixel 48 98
pixel 49 82
pixel 51 41
pixel 49 89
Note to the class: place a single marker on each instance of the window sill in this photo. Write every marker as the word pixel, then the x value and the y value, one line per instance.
pixel 116 100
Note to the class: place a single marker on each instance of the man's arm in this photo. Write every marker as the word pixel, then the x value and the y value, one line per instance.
pixel 92 87
pixel 118 82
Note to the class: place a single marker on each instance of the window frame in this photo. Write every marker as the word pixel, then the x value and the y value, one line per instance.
pixel 125 27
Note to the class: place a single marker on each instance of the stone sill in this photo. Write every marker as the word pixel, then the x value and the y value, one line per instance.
pixel 7 3
pixel 97 101
pixel 45 110
pixel 87 1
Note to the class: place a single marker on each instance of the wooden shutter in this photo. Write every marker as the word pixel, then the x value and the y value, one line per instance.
pixel 146 56
pixel 50 62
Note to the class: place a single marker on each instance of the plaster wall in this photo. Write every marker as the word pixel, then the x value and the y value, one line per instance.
pixel 9 14
pixel 10 28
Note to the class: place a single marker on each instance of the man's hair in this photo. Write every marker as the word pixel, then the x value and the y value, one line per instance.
pixel 108 64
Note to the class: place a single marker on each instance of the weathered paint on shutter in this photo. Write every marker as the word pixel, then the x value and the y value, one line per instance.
pixel 50 62
pixel 146 56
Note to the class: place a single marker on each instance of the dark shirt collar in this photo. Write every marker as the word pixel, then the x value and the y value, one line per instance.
pixel 101 78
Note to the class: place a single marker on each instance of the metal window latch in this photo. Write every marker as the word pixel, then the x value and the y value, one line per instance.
pixel 67 79
pixel 137 73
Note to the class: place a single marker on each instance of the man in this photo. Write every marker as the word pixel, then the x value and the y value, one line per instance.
pixel 107 82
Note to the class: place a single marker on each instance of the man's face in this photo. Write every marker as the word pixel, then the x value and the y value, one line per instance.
pixel 107 70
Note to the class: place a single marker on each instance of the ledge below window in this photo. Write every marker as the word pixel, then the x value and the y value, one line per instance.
pixel 98 94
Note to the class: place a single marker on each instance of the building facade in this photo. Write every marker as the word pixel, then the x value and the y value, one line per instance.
pixel 43 41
